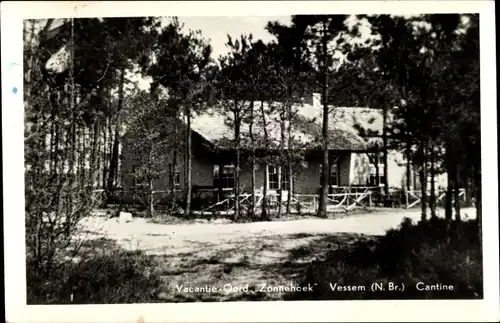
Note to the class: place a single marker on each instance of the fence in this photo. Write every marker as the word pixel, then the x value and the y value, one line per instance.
pixel 137 198
pixel 414 197
pixel 210 201
pixel 346 199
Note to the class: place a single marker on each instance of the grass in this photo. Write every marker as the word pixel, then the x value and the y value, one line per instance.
pixel 114 276
pixel 432 253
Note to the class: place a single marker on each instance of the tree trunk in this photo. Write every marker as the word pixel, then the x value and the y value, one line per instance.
pixel 448 210
pixel 115 152
pixel 57 140
pixel 107 134
pixel 174 166
pixel 423 183
pixel 280 193
pixel 408 172
pixel 280 172
pixel 433 182
pixel 172 185
pixel 237 123
pixel 456 193
pixel 289 160
pixel 265 201
pixel 266 170
pixel 189 188
pixel 95 147
pixel 72 159
pixel 106 152
pixel 252 142
pixel 466 180
pixel 324 172
pixel 479 216
pixel 81 155
pixel 385 150
pixel 150 198
pixel 83 160
pixel 52 141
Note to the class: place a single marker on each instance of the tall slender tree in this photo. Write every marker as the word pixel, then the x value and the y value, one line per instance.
pixel 321 33
pixel 178 62
pixel 234 95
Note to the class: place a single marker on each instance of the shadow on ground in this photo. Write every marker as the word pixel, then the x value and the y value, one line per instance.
pixel 251 269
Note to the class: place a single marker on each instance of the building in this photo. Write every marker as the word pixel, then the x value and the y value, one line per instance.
pixel 353 158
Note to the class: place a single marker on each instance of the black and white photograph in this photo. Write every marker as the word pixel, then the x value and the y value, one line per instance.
pixel 324 156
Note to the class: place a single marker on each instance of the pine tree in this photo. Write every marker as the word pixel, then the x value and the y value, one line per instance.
pixel 179 62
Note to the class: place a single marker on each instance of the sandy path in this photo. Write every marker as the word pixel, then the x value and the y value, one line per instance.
pixel 151 235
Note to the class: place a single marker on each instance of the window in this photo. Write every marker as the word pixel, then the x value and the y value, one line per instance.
pixel 224 179
pixel 216 175
pixel 333 178
pixel 278 177
pixel 175 176
pixel 374 181
pixel 274 181
pixel 139 179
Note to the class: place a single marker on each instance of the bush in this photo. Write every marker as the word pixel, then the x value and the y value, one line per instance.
pixel 53 212
pixel 118 277
pixel 432 252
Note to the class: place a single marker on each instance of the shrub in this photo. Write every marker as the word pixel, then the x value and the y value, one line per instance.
pixel 431 252
pixel 118 277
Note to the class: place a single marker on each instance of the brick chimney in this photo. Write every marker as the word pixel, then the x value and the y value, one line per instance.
pixel 316 99
pixel 312 106
pixel 313 99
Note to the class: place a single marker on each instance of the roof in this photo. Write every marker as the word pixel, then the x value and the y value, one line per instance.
pixel 344 133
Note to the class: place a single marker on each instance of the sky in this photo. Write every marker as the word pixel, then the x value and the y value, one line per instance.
pixel 216 30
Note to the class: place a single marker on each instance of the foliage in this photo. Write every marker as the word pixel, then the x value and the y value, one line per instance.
pixel 419 68
pixel 181 63
pixel 67 103
pixel 429 252
pixel 115 277
pixel 149 141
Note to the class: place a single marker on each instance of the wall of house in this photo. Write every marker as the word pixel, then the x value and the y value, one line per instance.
pixel 359 170
pixel 344 164
pixel 307 180
pixel 354 169
pixel 246 177
pixel 396 169
pixel 128 163
pixel 201 173
pixel 201 167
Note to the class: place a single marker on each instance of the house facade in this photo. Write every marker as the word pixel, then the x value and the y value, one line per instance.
pixel 354 158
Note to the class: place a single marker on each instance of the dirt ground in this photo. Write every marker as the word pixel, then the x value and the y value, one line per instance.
pixel 227 257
